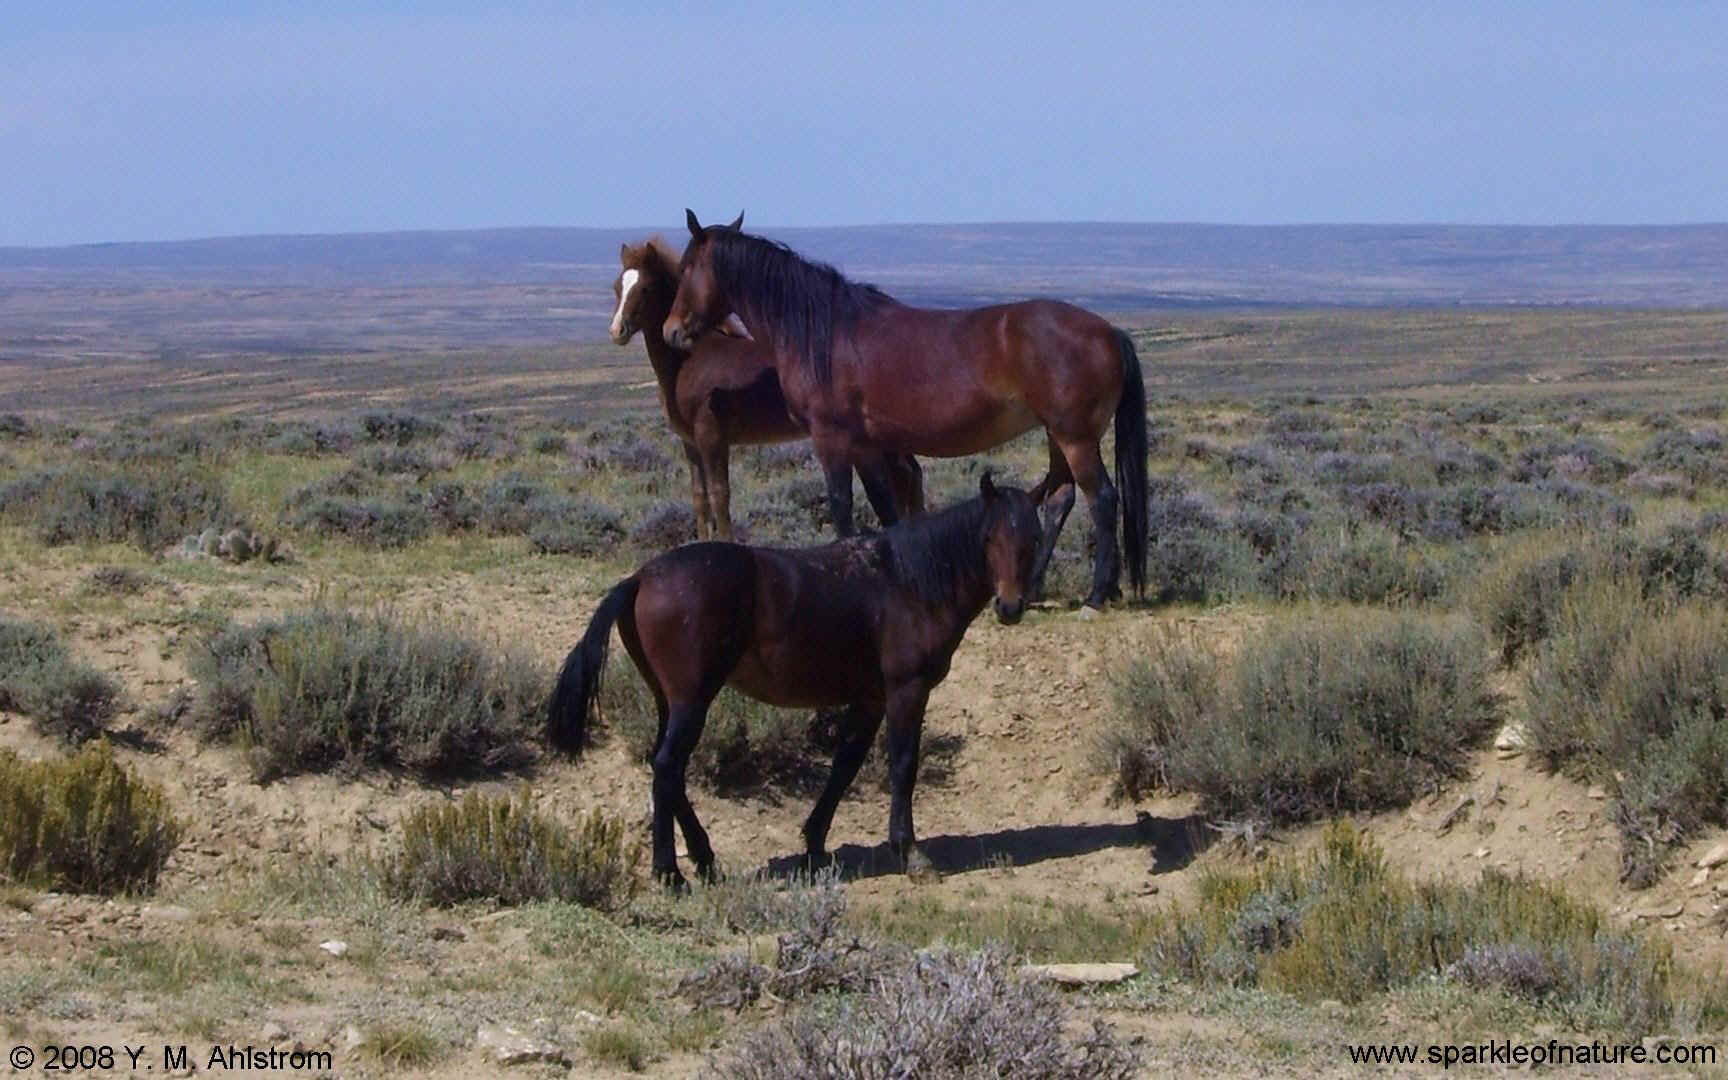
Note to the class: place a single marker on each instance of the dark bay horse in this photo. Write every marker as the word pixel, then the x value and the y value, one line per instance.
pixel 868 375
pixel 869 624
pixel 725 392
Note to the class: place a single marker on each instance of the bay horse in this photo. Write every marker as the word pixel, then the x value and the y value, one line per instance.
pixel 869 624
pixel 868 376
pixel 725 392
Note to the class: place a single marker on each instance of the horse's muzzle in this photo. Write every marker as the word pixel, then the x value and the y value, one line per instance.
pixel 677 335
pixel 1009 613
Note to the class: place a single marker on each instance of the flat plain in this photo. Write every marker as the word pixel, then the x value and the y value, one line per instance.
pixel 1320 454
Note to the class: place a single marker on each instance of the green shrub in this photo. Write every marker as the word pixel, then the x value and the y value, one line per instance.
pixel 148 504
pixel 1168 690
pixel 1635 695
pixel 39 678
pixel 1318 713
pixel 381 522
pixel 323 688
pixel 1365 564
pixel 1340 924
pixel 504 848
pixel 82 824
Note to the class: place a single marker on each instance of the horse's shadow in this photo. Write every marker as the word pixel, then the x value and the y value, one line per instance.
pixel 1172 842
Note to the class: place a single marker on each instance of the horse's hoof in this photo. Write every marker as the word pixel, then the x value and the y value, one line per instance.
pixel 920 869
pixel 814 862
pixel 672 881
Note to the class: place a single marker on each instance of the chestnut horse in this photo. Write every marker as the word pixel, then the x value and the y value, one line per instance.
pixel 725 392
pixel 870 376
pixel 869 623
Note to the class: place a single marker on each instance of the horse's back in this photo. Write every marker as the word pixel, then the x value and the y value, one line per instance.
pixel 815 630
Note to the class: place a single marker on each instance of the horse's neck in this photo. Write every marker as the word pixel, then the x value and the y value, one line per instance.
pixel 666 361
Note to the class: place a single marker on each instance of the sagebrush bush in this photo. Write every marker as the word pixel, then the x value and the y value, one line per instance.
pixel 1517 597
pixel 398 428
pixel 1341 924
pixel 1316 714
pixel 82 824
pixel 39 678
pixel 149 504
pixel 813 954
pixel 380 522
pixel 1634 694
pixel 505 848
pixel 943 1015
pixel 324 688
pixel 1169 689
pixel 576 526
pixel 1363 564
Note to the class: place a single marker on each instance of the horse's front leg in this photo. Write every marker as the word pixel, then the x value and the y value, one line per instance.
pixel 684 723
pixel 859 726
pixel 839 479
pixel 833 450
pixel 1055 497
pixel 905 718
pixel 879 488
pixel 717 473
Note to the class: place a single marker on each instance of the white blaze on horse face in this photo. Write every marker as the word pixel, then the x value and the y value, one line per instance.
pixel 626 282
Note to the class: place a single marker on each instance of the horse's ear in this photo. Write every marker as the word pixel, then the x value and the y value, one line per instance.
pixel 690 220
pixel 624 252
pixel 738 222
pixel 987 486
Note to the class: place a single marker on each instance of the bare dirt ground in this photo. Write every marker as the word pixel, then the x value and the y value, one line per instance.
pixel 1019 809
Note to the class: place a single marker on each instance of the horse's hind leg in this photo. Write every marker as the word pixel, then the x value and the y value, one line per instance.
pixel 698 492
pixel 684 723
pixel 682 812
pixel 1087 466
pixel 860 724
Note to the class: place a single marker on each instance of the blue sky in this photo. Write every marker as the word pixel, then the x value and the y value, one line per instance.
pixel 141 120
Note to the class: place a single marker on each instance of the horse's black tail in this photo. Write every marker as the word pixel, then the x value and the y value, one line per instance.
pixel 579 682
pixel 1131 451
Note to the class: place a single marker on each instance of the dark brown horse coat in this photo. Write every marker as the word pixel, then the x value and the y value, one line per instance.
pixel 870 376
pixel 724 392
pixel 870 624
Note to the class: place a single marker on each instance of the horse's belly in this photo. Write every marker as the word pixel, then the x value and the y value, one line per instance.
pixel 775 677
pixel 958 434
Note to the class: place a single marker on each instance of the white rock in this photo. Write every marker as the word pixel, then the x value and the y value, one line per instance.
pixel 1666 911
pixel 1716 856
pixel 505 1044
pixel 334 947
pixel 1081 974
pixel 1511 737
pixel 166 912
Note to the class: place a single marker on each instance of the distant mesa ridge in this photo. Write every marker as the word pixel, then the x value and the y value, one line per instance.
pixel 1109 266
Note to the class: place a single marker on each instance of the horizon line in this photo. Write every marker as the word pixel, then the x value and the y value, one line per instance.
pixel 1081 222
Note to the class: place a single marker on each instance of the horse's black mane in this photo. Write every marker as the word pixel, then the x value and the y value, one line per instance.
pixel 802 304
pixel 933 553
